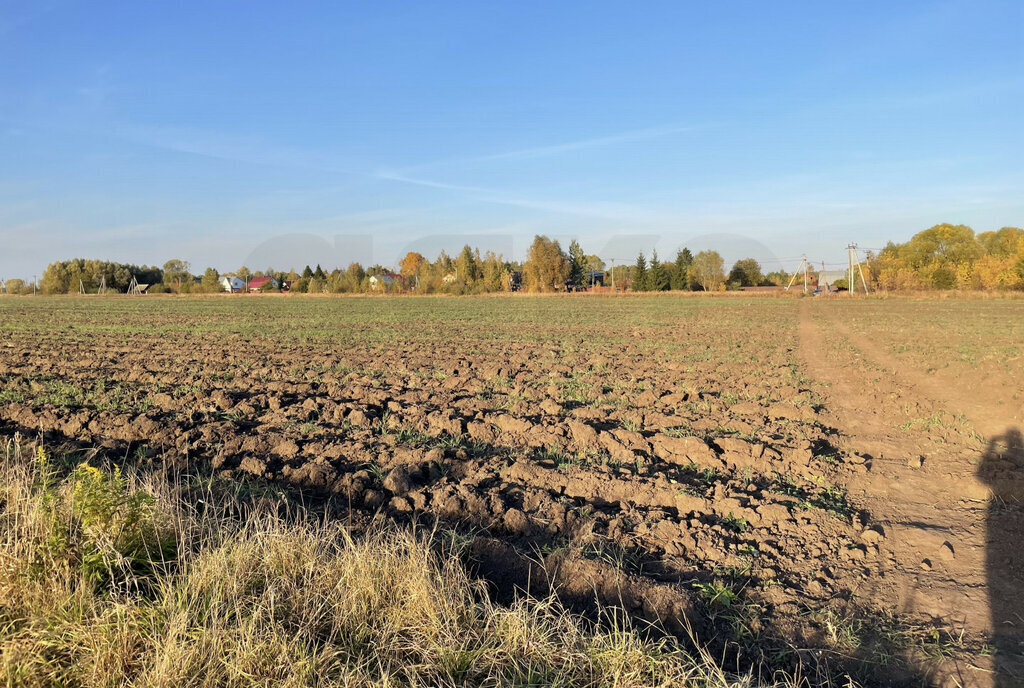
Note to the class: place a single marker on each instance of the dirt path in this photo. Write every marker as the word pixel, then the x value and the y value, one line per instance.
pixel 980 401
pixel 927 497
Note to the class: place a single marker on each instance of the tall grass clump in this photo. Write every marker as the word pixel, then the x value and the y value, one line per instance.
pixel 111 578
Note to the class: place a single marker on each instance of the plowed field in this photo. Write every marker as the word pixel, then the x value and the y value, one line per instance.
pixel 834 483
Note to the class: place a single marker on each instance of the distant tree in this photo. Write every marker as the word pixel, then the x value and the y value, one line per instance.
pixel 746 272
pixel 779 278
pixel 319 272
pixel 708 270
pixel 56 279
pixel 546 267
pixel 595 264
pixel 176 273
pixel 307 273
pixel 657 275
pixel 411 264
pixel 211 281
pixel 640 274
pixel 352 280
pixel 577 264
pixel 243 274
pixel 943 244
pixel 1006 242
pixel 943 278
pixel 679 279
pixel 493 270
pixel 466 266
pixel 19 286
pixel 66 276
pixel 619 275
pixel 444 263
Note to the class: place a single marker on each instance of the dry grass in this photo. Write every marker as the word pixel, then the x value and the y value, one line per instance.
pixel 137 580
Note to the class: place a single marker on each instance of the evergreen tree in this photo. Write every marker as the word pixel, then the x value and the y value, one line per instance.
pixel 657 276
pixel 319 272
pixel 577 264
pixel 307 273
pixel 640 274
pixel 680 278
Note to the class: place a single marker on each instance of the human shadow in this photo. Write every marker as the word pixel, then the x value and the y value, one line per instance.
pixel 1002 469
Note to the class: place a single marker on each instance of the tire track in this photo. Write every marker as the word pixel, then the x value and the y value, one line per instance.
pixel 933 512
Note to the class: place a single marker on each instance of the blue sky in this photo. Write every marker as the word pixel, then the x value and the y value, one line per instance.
pixel 230 133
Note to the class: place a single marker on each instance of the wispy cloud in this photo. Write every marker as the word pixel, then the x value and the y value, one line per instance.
pixel 590 209
pixel 594 209
pixel 596 142
pixel 628 136
pixel 234 147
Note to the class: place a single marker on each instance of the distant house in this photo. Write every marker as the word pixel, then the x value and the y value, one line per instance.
pixel 256 284
pixel 385 281
pixel 449 278
pixel 231 284
pixel 830 277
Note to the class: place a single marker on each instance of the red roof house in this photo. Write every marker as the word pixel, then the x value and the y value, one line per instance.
pixel 257 283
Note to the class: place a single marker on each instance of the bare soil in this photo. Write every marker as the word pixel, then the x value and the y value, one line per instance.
pixel 754 470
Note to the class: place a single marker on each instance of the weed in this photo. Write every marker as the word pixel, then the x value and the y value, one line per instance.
pixel 376 472
pixel 717 593
pixel 626 559
pixel 95 523
pixel 735 524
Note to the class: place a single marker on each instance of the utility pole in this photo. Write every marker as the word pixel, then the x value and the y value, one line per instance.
pixel 613 275
pixel 801 267
pixel 849 259
pixel 854 262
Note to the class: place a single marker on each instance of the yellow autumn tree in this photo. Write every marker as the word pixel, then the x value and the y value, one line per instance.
pixel 546 267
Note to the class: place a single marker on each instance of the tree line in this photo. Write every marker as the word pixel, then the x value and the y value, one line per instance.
pixel 952 257
pixel 942 257
pixel 547 268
